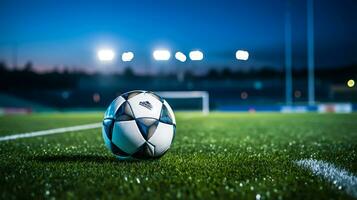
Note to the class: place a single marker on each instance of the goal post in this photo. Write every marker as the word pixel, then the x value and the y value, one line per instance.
pixel 187 95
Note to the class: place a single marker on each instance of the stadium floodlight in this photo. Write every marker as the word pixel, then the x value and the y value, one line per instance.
pixel 350 83
pixel 106 55
pixel 180 56
pixel 162 54
pixel 196 55
pixel 242 55
pixel 127 56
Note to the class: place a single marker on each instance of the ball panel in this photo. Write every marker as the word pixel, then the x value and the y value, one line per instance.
pixel 117 151
pixel 171 112
pixel 127 136
pixel 145 105
pixel 147 126
pixel 108 127
pixel 131 94
pixel 174 127
pixel 162 138
pixel 165 116
pixel 107 141
pixel 152 130
pixel 124 113
pixel 156 96
pixel 113 107
pixel 147 150
pixel 110 145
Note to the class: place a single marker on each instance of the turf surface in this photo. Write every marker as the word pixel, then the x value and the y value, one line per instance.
pixel 236 156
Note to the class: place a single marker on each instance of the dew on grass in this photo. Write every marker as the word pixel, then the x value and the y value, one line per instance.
pixel 241 184
pixel 138 180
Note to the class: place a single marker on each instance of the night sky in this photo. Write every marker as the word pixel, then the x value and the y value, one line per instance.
pixel 68 33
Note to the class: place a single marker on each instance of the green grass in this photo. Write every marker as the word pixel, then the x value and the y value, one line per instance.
pixel 26 123
pixel 235 156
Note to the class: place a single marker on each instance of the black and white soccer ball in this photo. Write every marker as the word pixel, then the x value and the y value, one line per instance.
pixel 138 124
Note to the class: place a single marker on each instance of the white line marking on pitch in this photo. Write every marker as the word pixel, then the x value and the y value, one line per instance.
pixel 339 177
pixel 51 131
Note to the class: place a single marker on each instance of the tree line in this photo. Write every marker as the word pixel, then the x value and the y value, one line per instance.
pixel 26 77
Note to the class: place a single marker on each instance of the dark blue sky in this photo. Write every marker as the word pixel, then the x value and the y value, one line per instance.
pixel 58 33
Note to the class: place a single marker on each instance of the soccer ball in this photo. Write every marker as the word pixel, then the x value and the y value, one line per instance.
pixel 138 124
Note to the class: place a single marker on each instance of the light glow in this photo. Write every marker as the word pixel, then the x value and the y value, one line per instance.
pixel 162 54
pixel 196 55
pixel 127 56
pixel 350 83
pixel 106 55
pixel 242 55
pixel 180 56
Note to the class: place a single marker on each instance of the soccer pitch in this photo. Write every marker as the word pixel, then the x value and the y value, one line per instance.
pixel 223 155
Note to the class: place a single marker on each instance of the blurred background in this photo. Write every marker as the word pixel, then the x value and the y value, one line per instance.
pixel 232 55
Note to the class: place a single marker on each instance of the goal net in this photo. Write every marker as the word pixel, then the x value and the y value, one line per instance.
pixel 187 100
